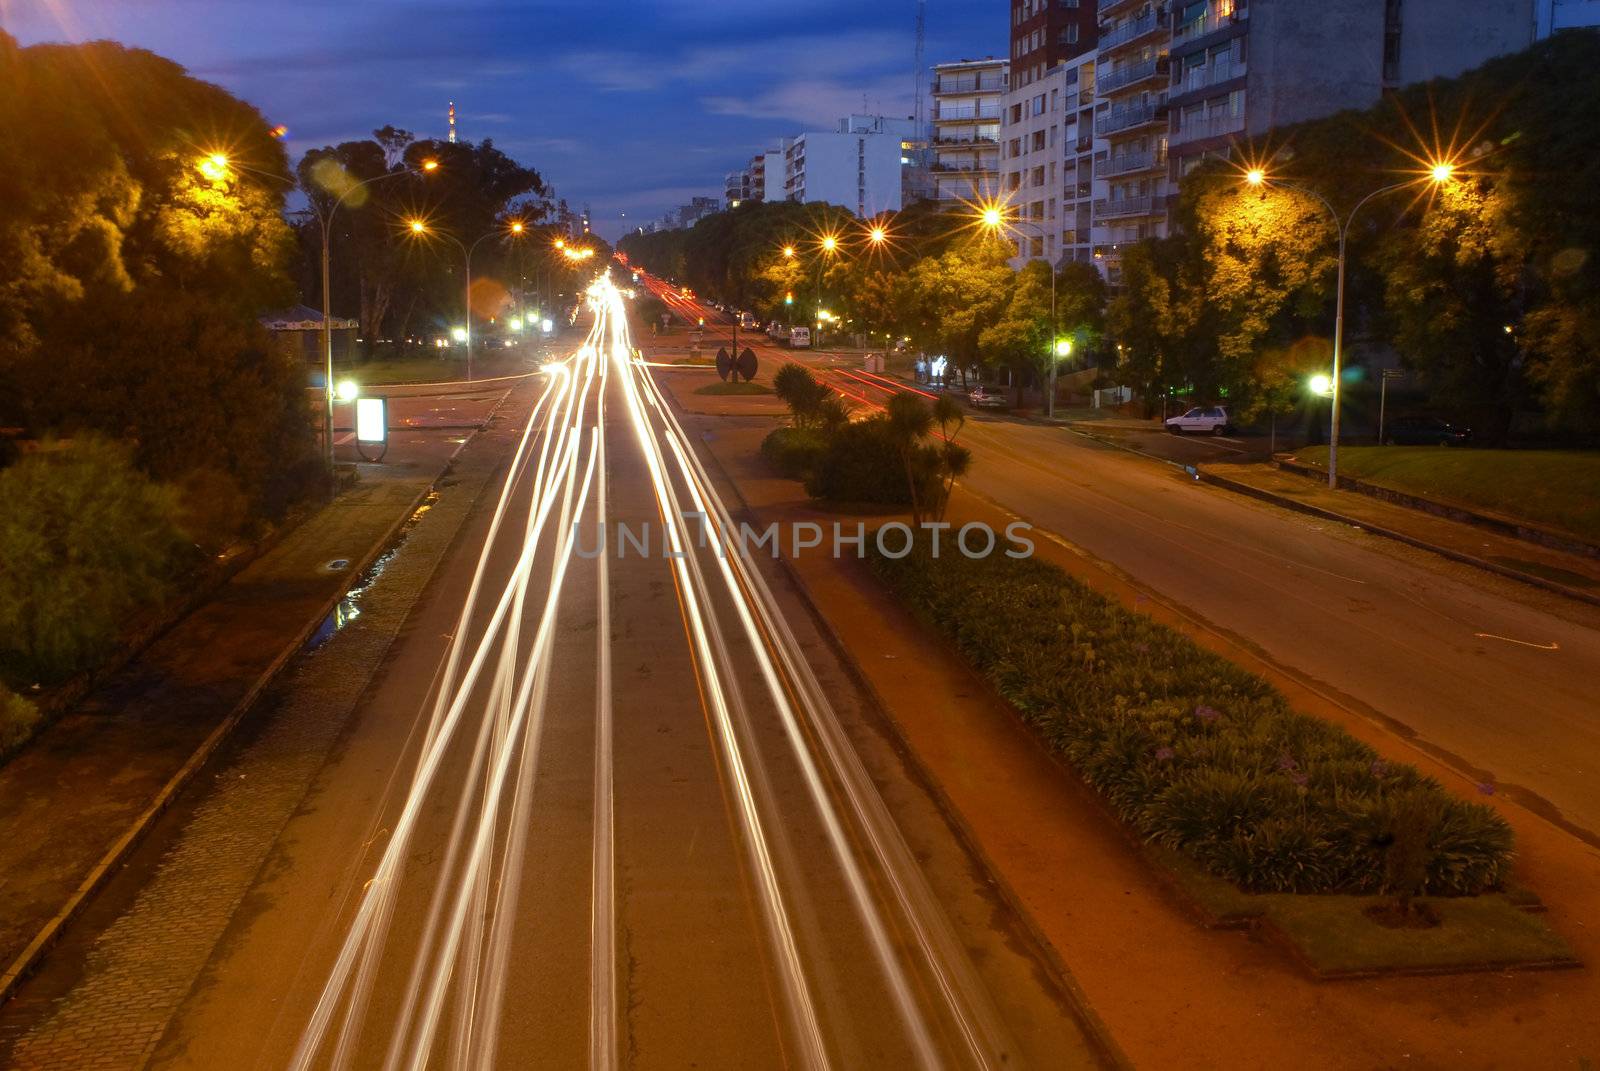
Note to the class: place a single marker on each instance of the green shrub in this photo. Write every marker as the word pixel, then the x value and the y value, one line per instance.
pixel 1194 752
pixel 794 452
pixel 18 719
pixel 862 463
pixel 85 540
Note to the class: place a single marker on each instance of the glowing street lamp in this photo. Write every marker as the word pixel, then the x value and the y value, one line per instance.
pixel 348 390
pixel 1439 173
pixel 1063 347
pixel 1321 385
pixel 877 236
pixel 513 229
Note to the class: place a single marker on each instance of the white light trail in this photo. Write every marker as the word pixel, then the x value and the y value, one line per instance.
pixel 494 688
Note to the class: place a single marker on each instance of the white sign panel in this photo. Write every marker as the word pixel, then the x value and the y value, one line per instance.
pixel 372 420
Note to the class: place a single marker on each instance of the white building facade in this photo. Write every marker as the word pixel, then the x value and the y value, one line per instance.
pixel 1047 149
pixel 860 165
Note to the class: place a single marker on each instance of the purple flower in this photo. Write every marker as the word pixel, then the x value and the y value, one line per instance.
pixel 1164 753
pixel 1299 778
pixel 1380 768
pixel 1486 788
pixel 1207 714
pixel 1286 761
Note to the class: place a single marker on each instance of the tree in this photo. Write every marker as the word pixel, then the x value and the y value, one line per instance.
pixel 142 272
pixel 910 421
pixel 1455 288
pixel 1140 318
pixel 958 295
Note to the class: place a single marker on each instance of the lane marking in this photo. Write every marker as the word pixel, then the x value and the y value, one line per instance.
pixel 1519 643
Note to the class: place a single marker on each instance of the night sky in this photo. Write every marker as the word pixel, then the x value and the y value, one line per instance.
pixel 632 107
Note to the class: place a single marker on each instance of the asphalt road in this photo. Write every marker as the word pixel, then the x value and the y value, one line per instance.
pixel 1495 677
pixel 628 810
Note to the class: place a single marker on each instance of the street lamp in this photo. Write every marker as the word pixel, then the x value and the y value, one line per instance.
pixel 215 166
pixel 830 247
pixel 1439 173
pixel 513 229
pixel 993 219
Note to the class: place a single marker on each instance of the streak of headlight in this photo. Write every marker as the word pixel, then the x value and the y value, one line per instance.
pixel 964 995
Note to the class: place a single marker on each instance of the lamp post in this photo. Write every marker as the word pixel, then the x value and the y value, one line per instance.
pixel 1438 174
pixel 829 246
pixel 994 219
pixel 514 229
pixel 215 166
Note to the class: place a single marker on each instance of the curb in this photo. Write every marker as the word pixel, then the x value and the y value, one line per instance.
pixel 1093 1026
pixel 23 965
pixel 1505 526
pixel 1400 537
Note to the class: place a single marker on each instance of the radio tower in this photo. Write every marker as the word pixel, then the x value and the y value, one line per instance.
pixel 452 122
pixel 919 153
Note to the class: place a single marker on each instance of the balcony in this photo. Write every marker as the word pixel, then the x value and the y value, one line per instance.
pixel 1211 74
pixel 1215 126
pixel 1113 7
pixel 1220 14
pixel 1127 118
pixel 1127 206
pixel 1109 82
pixel 968 113
pixel 1128 32
pixel 1129 162
pixel 969 85
pixel 972 139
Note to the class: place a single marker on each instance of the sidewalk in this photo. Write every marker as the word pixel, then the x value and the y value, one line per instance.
pixel 1573 575
pixel 76 800
pixel 1172 993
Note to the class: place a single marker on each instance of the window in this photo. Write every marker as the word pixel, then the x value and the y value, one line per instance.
pixel 1071 36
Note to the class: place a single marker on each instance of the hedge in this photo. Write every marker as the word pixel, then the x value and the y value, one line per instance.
pixel 1192 751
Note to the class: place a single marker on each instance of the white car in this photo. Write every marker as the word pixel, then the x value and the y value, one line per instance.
pixel 800 338
pixel 1212 419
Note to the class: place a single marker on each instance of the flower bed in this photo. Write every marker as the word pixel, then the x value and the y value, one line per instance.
pixel 1194 752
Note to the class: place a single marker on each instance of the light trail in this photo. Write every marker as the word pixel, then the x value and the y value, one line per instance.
pixel 486 722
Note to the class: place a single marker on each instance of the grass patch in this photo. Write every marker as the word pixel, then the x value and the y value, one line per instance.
pixel 1554 488
pixel 419 368
pixel 733 388
pixel 1336 938
pixel 697 362
pixel 1196 754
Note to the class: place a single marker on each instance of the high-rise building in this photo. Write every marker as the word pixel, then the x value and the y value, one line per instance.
pixel 859 165
pixel 1047 149
pixel 1131 83
pixel 1045 33
pixel 965 143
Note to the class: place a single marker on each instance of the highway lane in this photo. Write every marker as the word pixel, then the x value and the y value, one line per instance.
pixel 1495 677
pixel 622 810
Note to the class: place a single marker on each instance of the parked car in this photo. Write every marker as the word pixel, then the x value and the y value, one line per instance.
pixel 1212 419
pixel 800 338
pixel 982 399
pixel 1425 431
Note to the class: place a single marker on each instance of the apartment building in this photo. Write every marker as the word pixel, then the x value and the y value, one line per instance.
pixel 749 183
pixel 1182 80
pixel 1046 33
pixel 1131 79
pixel 1047 150
pixel 965 142
pixel 860 165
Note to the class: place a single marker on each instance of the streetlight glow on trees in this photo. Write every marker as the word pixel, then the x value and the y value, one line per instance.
pixel 1439 172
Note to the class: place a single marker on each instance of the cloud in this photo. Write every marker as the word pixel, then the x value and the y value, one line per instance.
pixel 815 102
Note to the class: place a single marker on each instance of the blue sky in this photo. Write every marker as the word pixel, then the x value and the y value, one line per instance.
pixel 633 107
